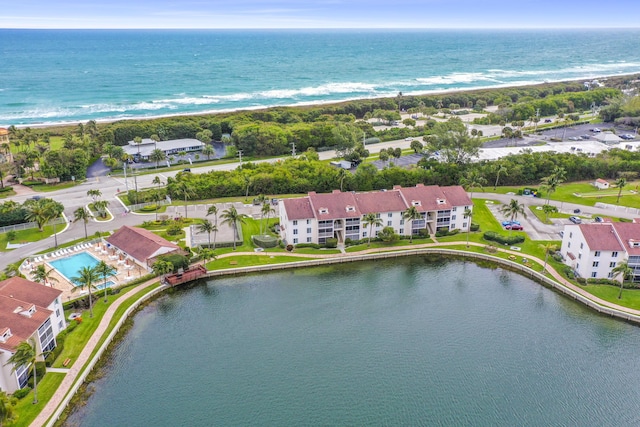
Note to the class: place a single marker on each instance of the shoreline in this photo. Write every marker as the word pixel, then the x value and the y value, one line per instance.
pixel 309 104
pixel 65 406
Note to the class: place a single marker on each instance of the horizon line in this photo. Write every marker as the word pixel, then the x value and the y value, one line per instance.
pixel 334 28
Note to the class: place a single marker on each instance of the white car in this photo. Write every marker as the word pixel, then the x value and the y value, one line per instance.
pixel 408 138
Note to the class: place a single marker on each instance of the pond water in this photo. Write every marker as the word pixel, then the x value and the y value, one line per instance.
pixel 411 341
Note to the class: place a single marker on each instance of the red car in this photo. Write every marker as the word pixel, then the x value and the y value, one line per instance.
pixel 514 227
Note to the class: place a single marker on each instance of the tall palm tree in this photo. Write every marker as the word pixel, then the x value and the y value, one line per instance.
pixel 550 185
pixel 371 220
pixel 623 270
pixel 81 214
pixel 185 190
pixel 500 170
pixel 232 217
pixel 208 150
pixel 26 355
pixel 206 227
pixel 94 194
pixel 411 214
pixel 468 213
pixel 206 254
pixel 157 181
pixel 620 183
pixel 105 270
pixel 547 248
pixel 265 210
pixel 157 155
pixel 513 209
pixel 473 179
pixel 41 275
pixel 101 207
pixel 213 210
pixel 547 209
pixel 86 277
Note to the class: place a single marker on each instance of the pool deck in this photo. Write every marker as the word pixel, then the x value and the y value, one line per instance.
pixel 126 270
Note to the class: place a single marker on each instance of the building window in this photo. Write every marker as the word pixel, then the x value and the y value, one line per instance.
pixel 377 215
pixel 389 223
pixel 464 225
pixel 610 275
pixel 571 234
pixel 309 230
pixel 390 215
pixel 295 241
pixel 308 239
pixel 454 209
pixel 295 222
pixel 577 266
pixel 612 264
pixel 581 245
pixel 579 255
pixel 57 312
pixel 60 324
pixel 594 274
pixel 595 263
pixel 295 231
pixel 308 221
pixel 568 244
pixel 597 253
pixel 364 234
pixel 402 222
pixel 614 254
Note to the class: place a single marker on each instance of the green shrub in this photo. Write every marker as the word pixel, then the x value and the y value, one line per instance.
pixel 423 233
pixel 474 226
pixel 19 394
pixel 41 370
pixel 289 248
pixel 174 230
pixel 6 188
pixel 581 280
pixel 265 241
pixel 331 243
pixel 505 240
pixel 443 233
pixel 150 208
pixel 309 245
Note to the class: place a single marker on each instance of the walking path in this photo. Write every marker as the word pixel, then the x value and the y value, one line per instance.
pixel 73 373
pixel 79 364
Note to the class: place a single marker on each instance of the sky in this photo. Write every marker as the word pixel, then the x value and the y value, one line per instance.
pixel 319 14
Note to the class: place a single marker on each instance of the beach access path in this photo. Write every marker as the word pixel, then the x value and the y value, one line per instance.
pixel 84 357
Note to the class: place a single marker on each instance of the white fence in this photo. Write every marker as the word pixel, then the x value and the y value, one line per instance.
pixel 617 208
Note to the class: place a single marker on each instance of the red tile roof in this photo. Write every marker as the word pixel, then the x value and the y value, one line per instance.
pixel 299 208
pixel 601 237
pixel 18 295
pixel 380 201
pixel 430 198
pixel 141 244
pixel 456 196
pixel 628 232
pixel 335 205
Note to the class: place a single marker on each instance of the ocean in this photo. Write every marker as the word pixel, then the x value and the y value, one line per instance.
pixel 70 76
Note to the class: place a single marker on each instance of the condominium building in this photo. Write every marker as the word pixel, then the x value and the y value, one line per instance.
pixel 318 217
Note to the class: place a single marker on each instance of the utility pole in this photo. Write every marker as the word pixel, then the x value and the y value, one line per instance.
pixel 240 156
pixel 293 149
pixel 537 119
pixel 126 183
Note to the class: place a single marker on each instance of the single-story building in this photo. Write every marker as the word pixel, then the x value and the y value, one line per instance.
pixel 142 151
pixel 29 311
pixel 601 184
pixel 142 245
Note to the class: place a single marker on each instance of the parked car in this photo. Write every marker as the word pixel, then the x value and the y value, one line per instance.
pixel 408 138
pixel 575 220
pixel 598 219
pixel 574 138
pixel 548 120
pixel 507 222
pixel 186 170
pixel 596 130
pixel 514 227
pixel 627 136
pixel 585 136
pixel 576 211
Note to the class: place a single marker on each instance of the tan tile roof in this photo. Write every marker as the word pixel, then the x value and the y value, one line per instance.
pixel 139 243
pixel 334 205
pixel 299 208
pixel 600 237
pixel 380 201
pixel 428 197
pixel 16 295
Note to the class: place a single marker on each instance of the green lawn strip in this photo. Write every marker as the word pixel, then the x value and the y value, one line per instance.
pixel 26 410
pixel 312 251
pixel 29 235
pixel 8 193
pixel 251 261
pixel 97 216
pixel 45 188
pixel 483 216
pixel 630 297
pixel 390 245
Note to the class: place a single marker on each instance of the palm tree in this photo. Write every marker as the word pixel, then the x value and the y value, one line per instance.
pixel 623 270
pixel 500 170
pixel 620 183
pixel 101 207
pixel 547 209
pixel 157 181
pixel 342 174
pixel 41 275
pixel 26 355
pixel 157 155
pixel 370 220
pixel 471 180
pixel 208 150
pixel 549 184
pixel 213 210
pixel 513 209
pixel 411 214
pixel 104 270
pixel 185 190
pixel 547 248
pixel 6 409
pixel 266 210
pixel 232 217
pixel 94 194
pixel 162 268
pixel 206 227
pixel 468 213
pixel 86 278
pixel 81 214
pixel 207 254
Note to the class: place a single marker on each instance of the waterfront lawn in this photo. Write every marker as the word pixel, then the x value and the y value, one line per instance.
pixel 630 297
pixel 382 245
pixel 30 235
pixel 26 410
pixel 251 261
pixel 539 213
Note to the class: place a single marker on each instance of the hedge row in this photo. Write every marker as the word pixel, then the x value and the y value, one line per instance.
pixel 505 240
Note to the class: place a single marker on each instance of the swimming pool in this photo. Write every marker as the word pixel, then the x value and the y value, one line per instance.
pixel 101 286
pixel 70 266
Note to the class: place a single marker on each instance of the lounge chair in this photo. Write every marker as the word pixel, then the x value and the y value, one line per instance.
pixel 46 256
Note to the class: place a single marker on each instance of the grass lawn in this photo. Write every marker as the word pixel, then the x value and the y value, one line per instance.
pixel 8 193
pixel 630 297
pixel 26 410
pixel 30 235
pixel 54 187
pixel 378 245
pixel 251 260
